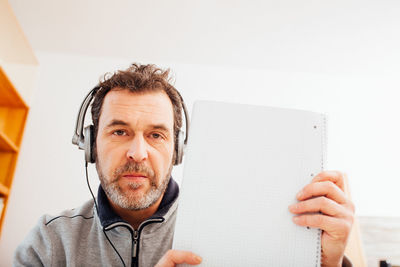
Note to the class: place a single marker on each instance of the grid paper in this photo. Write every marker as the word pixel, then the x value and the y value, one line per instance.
pixel 244 165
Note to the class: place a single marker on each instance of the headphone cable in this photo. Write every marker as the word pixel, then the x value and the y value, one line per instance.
pixel 97 210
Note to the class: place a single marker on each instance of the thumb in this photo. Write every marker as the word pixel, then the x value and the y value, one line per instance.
pixel 173 257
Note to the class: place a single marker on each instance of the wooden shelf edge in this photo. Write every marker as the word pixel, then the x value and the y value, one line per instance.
pixel 19 101
pixel 4 190
pixel 9 145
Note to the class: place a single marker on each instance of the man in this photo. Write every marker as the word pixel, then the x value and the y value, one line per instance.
pixel 136 118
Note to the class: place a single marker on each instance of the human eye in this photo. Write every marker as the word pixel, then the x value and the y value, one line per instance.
pixel 156 135
pixel 119 132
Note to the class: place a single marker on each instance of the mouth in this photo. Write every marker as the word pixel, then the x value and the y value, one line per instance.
pixel 134 175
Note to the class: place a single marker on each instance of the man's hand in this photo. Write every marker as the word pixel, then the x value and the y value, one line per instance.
pixel 331 211
pixel 173 257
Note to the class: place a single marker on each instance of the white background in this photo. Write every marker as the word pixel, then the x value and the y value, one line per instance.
pixel 340 58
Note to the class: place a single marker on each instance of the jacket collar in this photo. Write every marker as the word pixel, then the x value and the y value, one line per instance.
pixel 108 216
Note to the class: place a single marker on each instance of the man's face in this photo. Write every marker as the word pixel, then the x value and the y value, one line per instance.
pixel 135 146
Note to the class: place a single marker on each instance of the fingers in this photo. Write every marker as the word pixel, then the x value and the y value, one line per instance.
pixel 323 195
pixel 335 177
pixel 329 184
pixel 336 228
pixel 320 204
pixel 324 205
pixel 322 188
pixel 173 257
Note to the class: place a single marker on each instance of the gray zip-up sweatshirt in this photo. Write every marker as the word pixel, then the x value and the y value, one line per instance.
pixel 77 237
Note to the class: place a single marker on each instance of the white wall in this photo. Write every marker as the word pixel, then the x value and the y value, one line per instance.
pixel 341 36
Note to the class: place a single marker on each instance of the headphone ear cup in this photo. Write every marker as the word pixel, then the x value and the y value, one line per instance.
pixel 179 148
pixel 88 144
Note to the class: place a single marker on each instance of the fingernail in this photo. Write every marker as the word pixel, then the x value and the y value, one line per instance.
pixel 292 207
pixel 295 219
pixel 299 194
pixel 198 258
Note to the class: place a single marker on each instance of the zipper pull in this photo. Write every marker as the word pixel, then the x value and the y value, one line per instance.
pixel 135 242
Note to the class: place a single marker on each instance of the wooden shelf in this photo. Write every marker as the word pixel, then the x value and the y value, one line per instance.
pixel 12 121
pixel 4 191
pixel 6 145
pixel 9 96
pixel 18 69
pixel 13 113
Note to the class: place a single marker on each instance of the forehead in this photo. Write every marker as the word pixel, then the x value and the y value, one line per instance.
pixel 142 108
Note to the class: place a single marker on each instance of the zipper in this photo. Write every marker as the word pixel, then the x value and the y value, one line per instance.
pixel 136 237
pixel 135 243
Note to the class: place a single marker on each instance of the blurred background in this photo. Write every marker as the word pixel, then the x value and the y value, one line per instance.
pixel 340 58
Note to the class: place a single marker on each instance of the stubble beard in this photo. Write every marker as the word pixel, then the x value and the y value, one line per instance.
pixel 128 199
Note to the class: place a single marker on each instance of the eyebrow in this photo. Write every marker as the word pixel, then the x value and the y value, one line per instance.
pixel 162 127
pixel 117 123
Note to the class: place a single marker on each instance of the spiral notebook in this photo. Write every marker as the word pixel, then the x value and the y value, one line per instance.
pixel 244 165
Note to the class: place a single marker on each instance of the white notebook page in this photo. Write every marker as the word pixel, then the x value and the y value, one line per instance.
pixel 244 165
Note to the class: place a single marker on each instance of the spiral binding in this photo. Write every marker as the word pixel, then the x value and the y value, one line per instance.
pixel 323 159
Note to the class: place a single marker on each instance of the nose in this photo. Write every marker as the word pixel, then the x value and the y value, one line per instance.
pixel 138 149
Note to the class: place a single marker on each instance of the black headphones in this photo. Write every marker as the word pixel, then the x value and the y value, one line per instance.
pixel 84 136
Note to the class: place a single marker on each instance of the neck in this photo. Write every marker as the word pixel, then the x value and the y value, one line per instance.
pixel 136 217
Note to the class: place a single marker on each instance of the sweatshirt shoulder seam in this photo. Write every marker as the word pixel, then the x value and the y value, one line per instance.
pixel 69 217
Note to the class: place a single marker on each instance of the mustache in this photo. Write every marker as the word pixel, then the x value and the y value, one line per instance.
pixel 133 167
